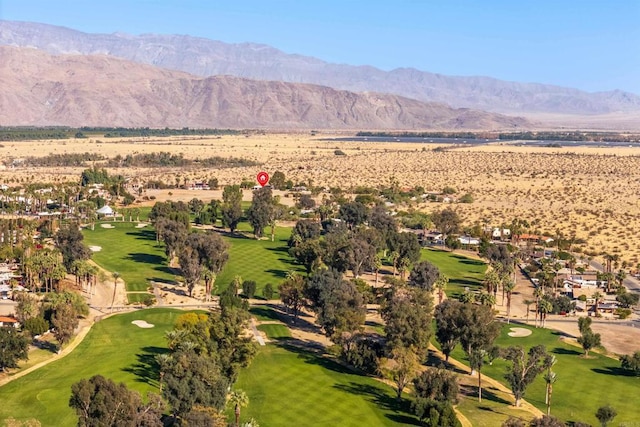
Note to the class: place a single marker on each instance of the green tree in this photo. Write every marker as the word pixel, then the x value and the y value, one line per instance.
pixel 307 253
pixel 446 221
pixel 478 328
pixel 278 180
pixel 546 421
pixel 401 368
pixel 408 314
pixel 69 240
pixel 64 322
pixel 249 288
pixel 338 304
pixel 424 275
pixel 525 367
pixel 231 206
pixel 435 385
pixel 605 414
pixel 193 379
pixel 13 347
pixel 631 362
pixel 448 325
pixel 292 294
pixel 587 339
pixel 261 210
pixel 353 214
pixel 101 402
pixel 267 291
pixel 191 267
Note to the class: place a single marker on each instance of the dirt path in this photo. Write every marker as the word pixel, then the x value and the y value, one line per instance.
pixel 84 330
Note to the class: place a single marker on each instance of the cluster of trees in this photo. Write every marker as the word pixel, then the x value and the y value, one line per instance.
pixel 350 245
pixel 62 160
pixel 58 312
pixel 605 414
pixel 206 353
pixel 201 255
pixel 166 159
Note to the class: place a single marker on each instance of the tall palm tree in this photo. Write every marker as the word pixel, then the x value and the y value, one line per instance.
pixel 163 361
pixel 597 296
pixel 508 286
pixel 545 307
pixel 441 285
pixel 550 378
pixel 238 399
pixel 538 293
pixel 528 303
pixel 116 276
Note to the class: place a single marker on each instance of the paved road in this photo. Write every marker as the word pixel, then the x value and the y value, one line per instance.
pixel 631 283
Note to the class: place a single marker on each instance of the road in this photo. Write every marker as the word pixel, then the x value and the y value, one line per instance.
pixel 631 283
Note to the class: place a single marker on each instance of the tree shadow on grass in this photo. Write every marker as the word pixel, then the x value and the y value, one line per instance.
pixel 277 273
pixel 614 370
pixel 488 394
pixel 145 258
pixel 386 401
pixel 147 369
pixel 143 234
pixel 268 313
pixel 465 282
pixel 565 351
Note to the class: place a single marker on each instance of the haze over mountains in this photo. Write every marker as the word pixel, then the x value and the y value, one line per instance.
pixel 277 104
pixel 99 90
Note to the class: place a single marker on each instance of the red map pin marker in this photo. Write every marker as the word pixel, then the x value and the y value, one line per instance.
pixel 263 178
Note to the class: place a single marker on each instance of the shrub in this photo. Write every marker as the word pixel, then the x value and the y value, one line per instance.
pixel 467 198
pixel 249 288
pixel 267 292
pixel 623 313
pixel 364 353
pixel 36 326
pixel 339 153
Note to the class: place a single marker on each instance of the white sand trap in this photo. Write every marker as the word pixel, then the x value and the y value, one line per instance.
pixel 95 248
pixel 141 225
pixel 107 226
pixel 519 332
pixel 142 324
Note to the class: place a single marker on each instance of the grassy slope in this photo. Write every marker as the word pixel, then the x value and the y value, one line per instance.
pixel 114 348
pixel 462 271
pixel 287 386
pixel 261 260
pixel 130 251
pixel 583 384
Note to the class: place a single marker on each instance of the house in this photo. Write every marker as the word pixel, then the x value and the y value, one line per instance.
pixel 500 233
pixel 469 241
pixel 8 321
pixel 433 237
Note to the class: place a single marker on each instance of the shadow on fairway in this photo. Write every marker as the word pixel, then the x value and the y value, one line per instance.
pixel 268 313
pixel 488 393
pixel 566 351
pixel 145 258
pixel 147 369
pixel 377 396
pixel 613 370
pixel 143 234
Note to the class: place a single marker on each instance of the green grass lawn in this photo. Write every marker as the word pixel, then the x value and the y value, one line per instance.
pixel 261 260
pixel 275 332
pixel 583 385
pixel 113 348
pixel 130 251
pixel 288 386
pixel 462 271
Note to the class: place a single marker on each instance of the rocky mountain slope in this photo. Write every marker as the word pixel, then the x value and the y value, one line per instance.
pixel 100 90
pixel 205 57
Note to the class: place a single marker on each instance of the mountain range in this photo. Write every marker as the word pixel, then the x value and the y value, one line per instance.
pixel 333 95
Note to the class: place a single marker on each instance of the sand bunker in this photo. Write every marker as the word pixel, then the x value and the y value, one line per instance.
pixel 519 332
pixel 107 226
pixel 95 248
pixel 142 324
pixel 141 225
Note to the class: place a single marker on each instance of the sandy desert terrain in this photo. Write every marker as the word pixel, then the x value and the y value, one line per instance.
pixel 587 192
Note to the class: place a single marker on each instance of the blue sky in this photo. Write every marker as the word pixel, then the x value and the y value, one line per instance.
pixel 591 45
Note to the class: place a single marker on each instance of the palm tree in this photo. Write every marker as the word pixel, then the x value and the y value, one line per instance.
pixel 550 377
pixel 441 285
pixel 209 278
pixel 116 276
pixel 394 259
pixel 528 303
pixel 597 296
pixel 238 399
pixel 163 363
pixel 545 307
pixel 538 293
pixel 508 286
pixel 491 281
pixel 377 265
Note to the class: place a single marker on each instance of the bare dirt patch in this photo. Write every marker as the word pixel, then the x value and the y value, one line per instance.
pixel 95 248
